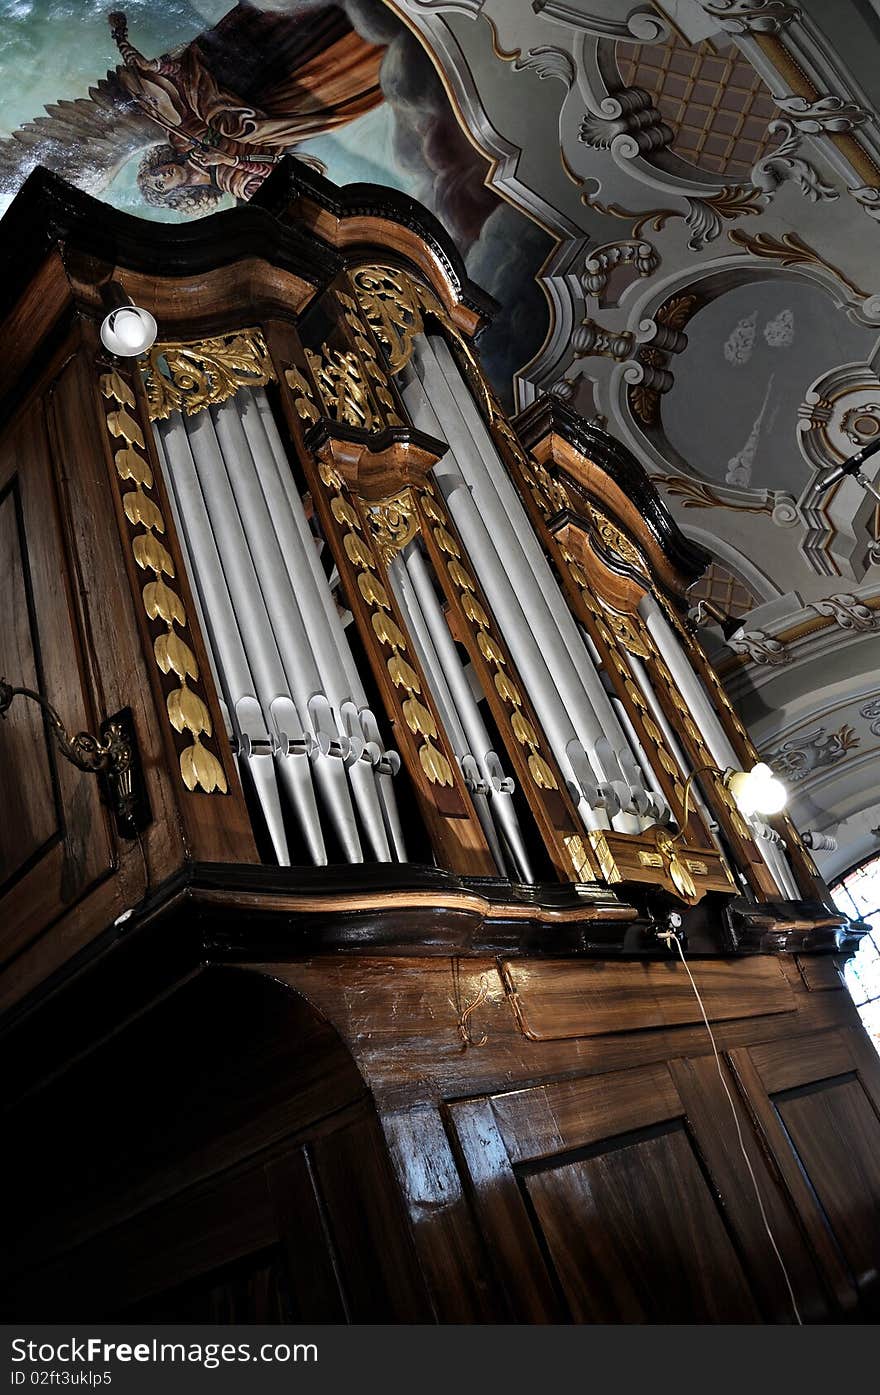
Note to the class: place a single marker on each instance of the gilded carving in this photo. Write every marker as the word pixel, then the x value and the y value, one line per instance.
pixel 187 713
pixel 418 717
pixel 187 377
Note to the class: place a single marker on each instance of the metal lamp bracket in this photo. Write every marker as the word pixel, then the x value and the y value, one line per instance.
pixel 112 756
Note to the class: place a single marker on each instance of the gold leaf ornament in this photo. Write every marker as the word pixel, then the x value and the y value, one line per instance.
pixel 173 655
pixel 187 712
pixel 200 769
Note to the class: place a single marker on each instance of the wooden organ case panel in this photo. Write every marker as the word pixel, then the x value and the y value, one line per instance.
pixel 57 842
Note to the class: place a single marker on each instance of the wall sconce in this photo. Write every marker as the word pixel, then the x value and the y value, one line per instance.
pixel 127 330
pixel 755 791
pixel 112 756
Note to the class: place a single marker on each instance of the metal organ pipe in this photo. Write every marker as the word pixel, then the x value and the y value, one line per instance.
pixel 716 738
pixel 290 628
pixel 285 668
pixel 522 614
pixel 257 745
pixel 343 683
pixel 488 760
pixel 440 691
pixel 497 496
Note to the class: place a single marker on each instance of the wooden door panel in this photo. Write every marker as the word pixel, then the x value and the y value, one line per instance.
pixel 56 842
pixel 836 1136
pixel 624 1198
pixel 817 1100
pixel 25 753
pixel 635 1235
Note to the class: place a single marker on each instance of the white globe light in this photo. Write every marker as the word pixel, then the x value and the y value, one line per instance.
pixel 757 791
pixel 128 331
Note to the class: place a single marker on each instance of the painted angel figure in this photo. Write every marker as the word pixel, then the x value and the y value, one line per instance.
pixel 212 118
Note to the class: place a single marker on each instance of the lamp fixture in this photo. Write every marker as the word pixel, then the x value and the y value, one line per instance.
pixel 755 791
pixel 112 755
pixel 128 331
pixel 853 468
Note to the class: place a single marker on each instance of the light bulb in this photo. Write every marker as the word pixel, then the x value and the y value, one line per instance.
pixel 128 331
pixel 757 791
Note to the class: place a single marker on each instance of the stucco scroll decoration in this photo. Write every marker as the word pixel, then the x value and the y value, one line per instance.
pixel 824 114
pixel 758 16
pixel 848 612
pixel 800 756
pixel 784 162
pixel 761 648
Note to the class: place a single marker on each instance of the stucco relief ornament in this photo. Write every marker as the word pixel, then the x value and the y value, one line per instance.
pixel 871 713
pixel 784 162
pixel 740 342
pixel 868 195
pixel 779 332
pixel 758 16
pixel 831 114
pixel 802 755
pixel 848 612
pixel 761 648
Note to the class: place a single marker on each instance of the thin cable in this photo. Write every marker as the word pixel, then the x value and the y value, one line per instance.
pixel 798 1319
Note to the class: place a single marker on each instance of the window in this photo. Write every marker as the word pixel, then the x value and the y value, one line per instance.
pixel 858 894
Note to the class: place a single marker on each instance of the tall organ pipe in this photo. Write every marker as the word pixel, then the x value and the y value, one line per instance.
pixel 256 629
pixel 519 628
pixel 478 737
pixel 292 630
pixel 440 691
pixel 579 683
pixel 707 719
pixel 256 744
pixel 343 683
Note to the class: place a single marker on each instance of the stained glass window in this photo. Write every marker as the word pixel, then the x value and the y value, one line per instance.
pixel 857 894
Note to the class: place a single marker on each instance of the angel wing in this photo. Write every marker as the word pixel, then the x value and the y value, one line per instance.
pixel 87 140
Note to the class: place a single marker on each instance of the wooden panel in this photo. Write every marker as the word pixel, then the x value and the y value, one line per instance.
pixel 710 1120
pixel 785 1064
pixel 548 1119
pixel 65 835
pixel 555 999
pixel 819 973
pixel 836 1135
pixel 380 1278
pixel 519 1265
pixel 453 1261
pixel 636 1236
pixel 25 754
pixel 311 1267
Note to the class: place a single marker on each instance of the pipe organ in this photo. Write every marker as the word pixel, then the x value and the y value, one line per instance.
pixel 423 761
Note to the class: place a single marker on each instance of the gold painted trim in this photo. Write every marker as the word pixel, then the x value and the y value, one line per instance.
pixel 187 712
pixel 189 376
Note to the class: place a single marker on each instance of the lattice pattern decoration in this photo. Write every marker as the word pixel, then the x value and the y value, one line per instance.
pixel 711 98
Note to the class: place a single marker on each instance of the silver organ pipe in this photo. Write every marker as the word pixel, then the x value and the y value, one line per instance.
pixel 277 638
pixel 716 738
pixel 376 766
pixel 435 672
pixel 584 753
pixel 255 733
pixel 498 786
pixel 487 476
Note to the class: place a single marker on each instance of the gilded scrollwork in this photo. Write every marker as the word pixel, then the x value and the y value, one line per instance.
pixel 394 522
pixel 187 377
pixel 187 711
pixel 360 553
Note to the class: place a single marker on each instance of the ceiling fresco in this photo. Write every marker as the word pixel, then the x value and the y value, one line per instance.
pixel 176 110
